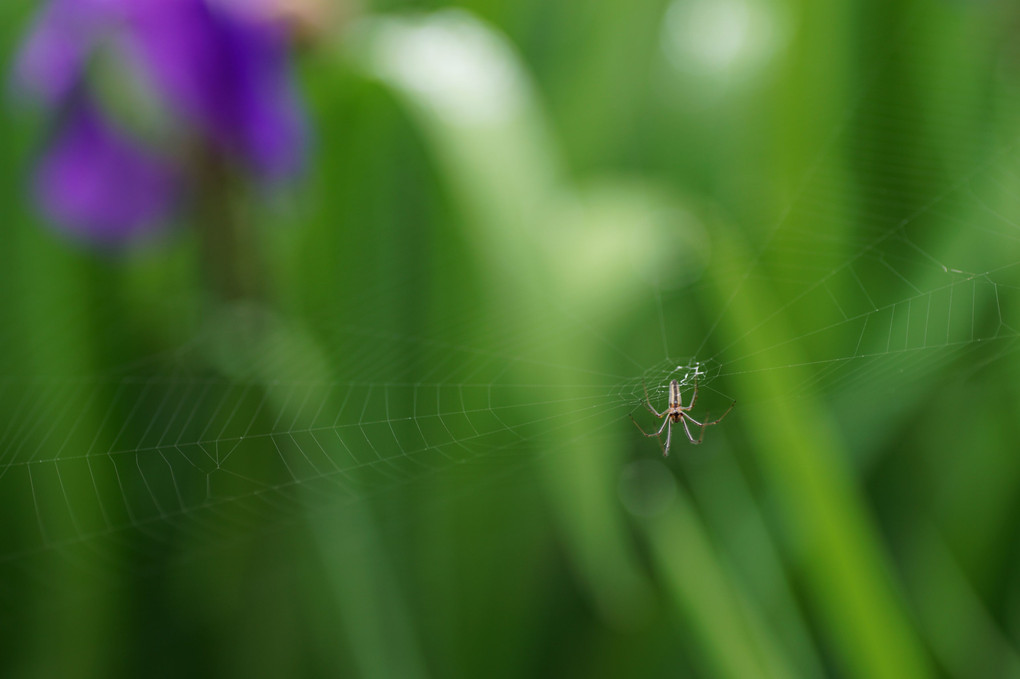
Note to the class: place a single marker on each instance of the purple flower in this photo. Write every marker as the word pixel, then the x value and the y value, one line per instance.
pixel 217 70
pixel 100 183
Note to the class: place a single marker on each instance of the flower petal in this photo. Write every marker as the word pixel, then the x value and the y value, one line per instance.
pixel 98 184
pixel 52 60
pixel 227 72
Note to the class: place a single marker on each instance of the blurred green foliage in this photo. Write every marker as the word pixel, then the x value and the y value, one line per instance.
pixel 412 457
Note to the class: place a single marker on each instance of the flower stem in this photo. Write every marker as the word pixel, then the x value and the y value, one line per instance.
pixel 231 261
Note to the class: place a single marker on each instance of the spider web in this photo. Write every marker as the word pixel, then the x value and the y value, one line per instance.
pixel 177 452
pixel 221 439
pixel 895 308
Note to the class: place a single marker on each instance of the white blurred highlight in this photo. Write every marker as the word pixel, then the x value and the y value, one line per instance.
pixel 722 37
pixel 466 73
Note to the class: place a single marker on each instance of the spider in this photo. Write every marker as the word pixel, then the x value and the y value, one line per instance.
pixel 677 412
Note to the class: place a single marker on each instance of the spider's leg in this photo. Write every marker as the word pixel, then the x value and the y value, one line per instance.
pixel 669 437
pixel 648 401
pixel 684 419
pixel 694 396
pixel 716 421
pixel 658 433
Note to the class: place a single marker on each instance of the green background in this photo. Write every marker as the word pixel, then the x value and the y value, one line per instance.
pixel 405 451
